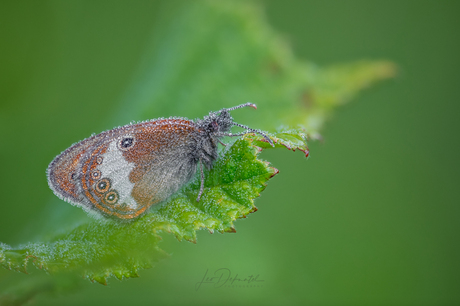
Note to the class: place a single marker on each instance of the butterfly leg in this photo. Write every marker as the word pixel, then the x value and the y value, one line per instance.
pixel 248 130
pixel 221 143
pixel 202 182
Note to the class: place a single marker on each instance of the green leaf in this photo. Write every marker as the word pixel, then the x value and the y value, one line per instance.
pixel 209 55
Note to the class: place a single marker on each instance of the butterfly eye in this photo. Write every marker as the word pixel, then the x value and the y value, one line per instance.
pixel 125 143
pixel 103 185
pixel 72 176
pixel 111 197
pixel 215 126
pixel 96 174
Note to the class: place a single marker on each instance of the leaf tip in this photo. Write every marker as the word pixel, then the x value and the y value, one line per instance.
pixel 306 151
pixel 230 230
pixel 275 172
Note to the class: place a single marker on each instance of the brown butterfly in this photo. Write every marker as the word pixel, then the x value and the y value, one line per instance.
pixel 124 171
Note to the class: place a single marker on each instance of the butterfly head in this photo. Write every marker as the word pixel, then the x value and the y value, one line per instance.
pixel 220 123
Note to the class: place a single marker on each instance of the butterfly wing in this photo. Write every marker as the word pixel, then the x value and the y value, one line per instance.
pixel 64 172
pixel 124 171
pixel 165 154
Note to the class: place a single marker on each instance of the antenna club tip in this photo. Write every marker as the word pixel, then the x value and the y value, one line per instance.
pixel 252 105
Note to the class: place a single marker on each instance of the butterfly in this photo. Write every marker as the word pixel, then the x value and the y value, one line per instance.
pixel 122 172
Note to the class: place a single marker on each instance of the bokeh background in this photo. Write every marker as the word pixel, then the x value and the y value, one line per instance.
pixel 372 218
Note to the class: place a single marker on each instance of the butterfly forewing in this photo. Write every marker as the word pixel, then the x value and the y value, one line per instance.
pixel 164 154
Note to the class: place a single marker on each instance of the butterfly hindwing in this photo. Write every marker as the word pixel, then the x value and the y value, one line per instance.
pixel 64 171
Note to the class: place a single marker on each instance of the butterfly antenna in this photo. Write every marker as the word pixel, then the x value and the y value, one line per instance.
pixel 242 105
pixel 256 131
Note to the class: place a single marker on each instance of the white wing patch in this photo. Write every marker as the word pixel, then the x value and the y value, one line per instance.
pixel 117 170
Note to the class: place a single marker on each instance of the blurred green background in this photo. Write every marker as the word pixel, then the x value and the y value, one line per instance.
pixel 370 219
